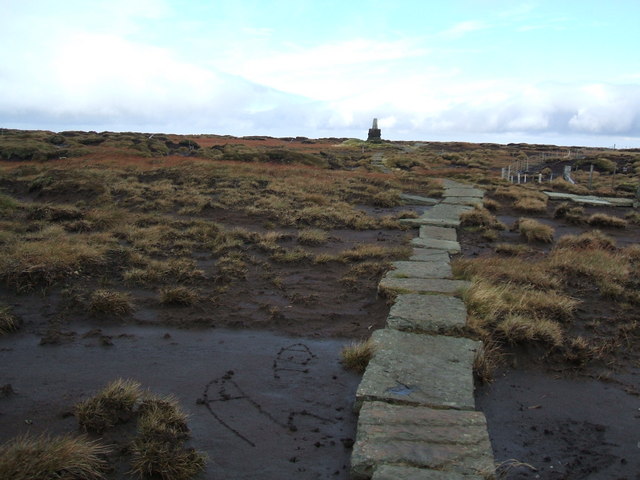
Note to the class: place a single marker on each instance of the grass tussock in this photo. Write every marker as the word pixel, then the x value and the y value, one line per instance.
pixel 512 270
pixel 606 221
pixel 162 418
pixel 178 295
pixel 158 450
pixel 592 240
pixel 312 237
pixel 47 457
pixel 156 459
pixel 633 218
pixel 110 302
pixel 512 249
pixel 531 205
pixel 490 204
pixel 356 355
pixel 573 215
pixel 485 361
pixel 8 322
pixel 480 217
pixel 535 231
pixel 518 329
pixel 367 251
pixel 49 258
pixel 489 302
pixel 109 407
pixel 519 192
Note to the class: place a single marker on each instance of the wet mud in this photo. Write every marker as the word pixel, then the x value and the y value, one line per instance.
pixel 261 405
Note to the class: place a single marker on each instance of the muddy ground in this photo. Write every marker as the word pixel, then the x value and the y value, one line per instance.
pixel 267 399
pixel 261 405
pixel 549 419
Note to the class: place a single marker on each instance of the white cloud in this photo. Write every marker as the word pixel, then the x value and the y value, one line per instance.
pixel 462 28
pixel 80 74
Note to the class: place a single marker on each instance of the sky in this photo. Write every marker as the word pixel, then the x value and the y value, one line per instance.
pixel 560 72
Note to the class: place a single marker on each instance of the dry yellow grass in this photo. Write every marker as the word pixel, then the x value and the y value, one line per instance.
pixel 512 249
pixel 105 302
pixel 178 295
pixel 531 205
pixel 50 257
pixel 593 239
pixel 535 231
pixel 8 322
pixel 48 457
pixel 158 450
pixel 519 329
pixel 356 355
pixel 312 237
pixel 480 217
pixel 506 270
pixel 112 405
pixel 604 220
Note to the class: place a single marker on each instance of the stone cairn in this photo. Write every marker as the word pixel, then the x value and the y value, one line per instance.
pixel 417 417
pixel 375 134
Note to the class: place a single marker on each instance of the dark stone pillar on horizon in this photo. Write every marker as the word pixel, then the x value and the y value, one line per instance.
pixel 375 134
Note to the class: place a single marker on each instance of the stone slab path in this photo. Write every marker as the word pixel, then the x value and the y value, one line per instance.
pixel 429 370
pixel 449 441
pixel 417 417
pixel 428 314
pixel 591 199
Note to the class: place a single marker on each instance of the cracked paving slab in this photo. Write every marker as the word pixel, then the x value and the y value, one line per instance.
pixel 408 269
pixel 419 369
pixel 421 438
pixel 421 285
pixel 427 313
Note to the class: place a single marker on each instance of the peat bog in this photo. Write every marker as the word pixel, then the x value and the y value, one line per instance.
pixel 230 272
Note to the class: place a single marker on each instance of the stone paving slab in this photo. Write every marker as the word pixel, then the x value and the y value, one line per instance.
pixel 463 192
pixel 429 255
pixel 446 211
pixel 430 221
pixel 408 269
pixel 444 440
pixel 419 369
pixel 421 285
pixel 440 233
pixel 427 313
pixel 463 200
pixel 418 200
pixel 447 245
pixel 591 199
pixel 394 472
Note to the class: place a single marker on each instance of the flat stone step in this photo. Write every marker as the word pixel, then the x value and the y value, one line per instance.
pixel 429 255
pixel 422 438
pixel 440 233
pixel 463 200
pixel 463 192
pixel 418 200
pixel 434 243
pixel 421 285
pixel 416 222
pixel 418 369
pixel 408 269
pixel 591 199
pixel 393 472
pixel 427 313
pixel 446 211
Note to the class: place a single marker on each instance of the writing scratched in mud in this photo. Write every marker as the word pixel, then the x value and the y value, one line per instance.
pixel 226 389
pixel 294 358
